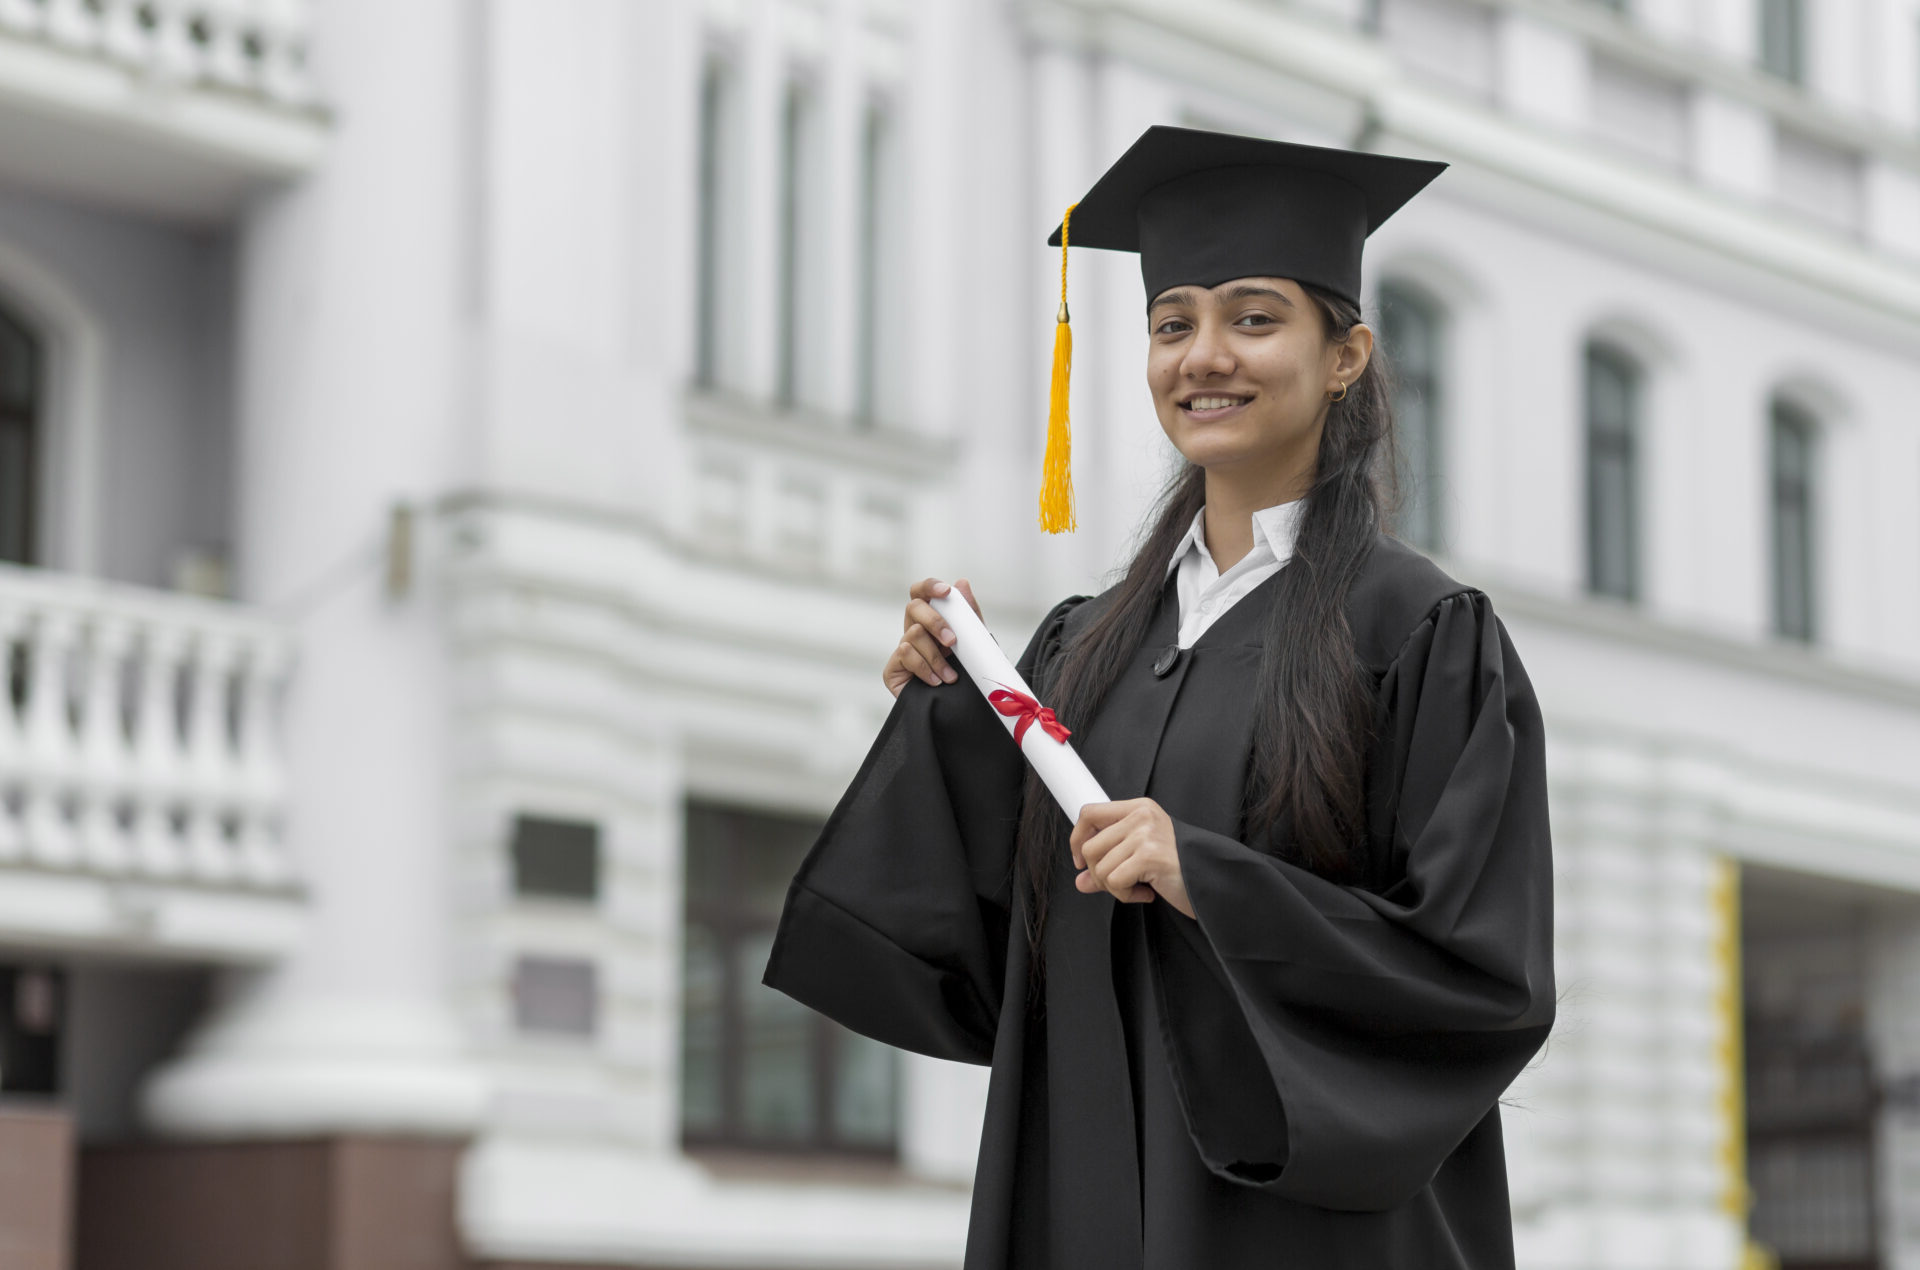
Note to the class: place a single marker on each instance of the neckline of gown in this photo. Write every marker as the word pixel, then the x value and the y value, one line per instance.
pixel 1167 615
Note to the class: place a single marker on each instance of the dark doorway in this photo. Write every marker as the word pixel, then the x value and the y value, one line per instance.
pixel 21 372
pixel 1811 1092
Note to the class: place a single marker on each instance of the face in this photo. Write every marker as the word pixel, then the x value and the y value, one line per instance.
pixel 1241 373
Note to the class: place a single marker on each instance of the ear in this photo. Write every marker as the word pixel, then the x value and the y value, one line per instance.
pixel 1352 355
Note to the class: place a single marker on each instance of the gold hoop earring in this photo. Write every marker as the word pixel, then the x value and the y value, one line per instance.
pixel 1342 394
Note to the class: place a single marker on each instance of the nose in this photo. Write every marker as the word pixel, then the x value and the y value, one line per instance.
pixel 1209 354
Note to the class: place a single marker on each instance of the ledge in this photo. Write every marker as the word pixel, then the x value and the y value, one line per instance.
pixel 49 908
pixel 1776 660
pixel 603 1203
pixel 816 435
pixel 92 129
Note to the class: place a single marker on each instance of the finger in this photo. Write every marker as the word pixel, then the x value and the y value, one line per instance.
pixel 926 589
pixel 1098 816
pixel 966 589
pixel 1082 830
pixel 910 658
pixel 1124 873
pixel 927 616
pixel 1104 850
pixel 1140 895
pixel 930 652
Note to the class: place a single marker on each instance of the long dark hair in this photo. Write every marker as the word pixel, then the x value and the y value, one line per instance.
pixel 1315 711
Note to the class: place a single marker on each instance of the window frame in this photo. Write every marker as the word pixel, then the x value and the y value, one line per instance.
pixel 1420 519
pixel 733 925
pixel 1793 498
pixel 20 424
pixel 1605 443
pixel 1781 46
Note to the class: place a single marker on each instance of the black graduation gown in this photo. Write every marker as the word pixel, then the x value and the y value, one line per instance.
pixel 1308 1074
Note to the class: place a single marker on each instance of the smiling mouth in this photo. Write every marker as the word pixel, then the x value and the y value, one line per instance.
pixel 1214 406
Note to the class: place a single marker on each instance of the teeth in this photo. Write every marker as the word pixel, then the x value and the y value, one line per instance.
pixel 1213 403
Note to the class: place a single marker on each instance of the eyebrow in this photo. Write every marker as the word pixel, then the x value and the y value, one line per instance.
pixel 1250 292
pixel 1245 291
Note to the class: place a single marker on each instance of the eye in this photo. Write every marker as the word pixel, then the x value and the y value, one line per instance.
pixel 1171 326
pixel 1255 319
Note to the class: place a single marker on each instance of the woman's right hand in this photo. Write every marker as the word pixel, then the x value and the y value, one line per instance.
pixel 926 638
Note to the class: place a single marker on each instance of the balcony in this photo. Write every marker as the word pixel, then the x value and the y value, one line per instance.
pixel 141 788
pixel 176 108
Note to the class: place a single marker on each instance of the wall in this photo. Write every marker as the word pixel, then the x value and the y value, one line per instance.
pixel 158 296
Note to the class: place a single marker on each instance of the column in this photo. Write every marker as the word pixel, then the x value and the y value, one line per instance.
pixel 349 302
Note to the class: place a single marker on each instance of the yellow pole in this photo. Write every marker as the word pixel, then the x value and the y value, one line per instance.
pixel 1737 1199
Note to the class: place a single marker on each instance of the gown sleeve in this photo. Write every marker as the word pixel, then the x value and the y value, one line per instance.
pixel 896 923
pixel 1387 1023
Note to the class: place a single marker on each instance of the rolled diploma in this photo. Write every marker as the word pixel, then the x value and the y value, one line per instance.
pixel 1060 769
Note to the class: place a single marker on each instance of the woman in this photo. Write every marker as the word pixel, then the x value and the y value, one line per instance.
pixel 1266 1017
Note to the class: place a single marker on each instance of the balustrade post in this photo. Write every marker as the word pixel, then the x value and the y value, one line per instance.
pixel 104 756
pixel 156 758
pixel 121 34
pixel 210 766
pixel 22 15
pixel 51 752
pixel 175 55
pixel 283 29
pixel 226 23
pixel 262 853
pixel 73 24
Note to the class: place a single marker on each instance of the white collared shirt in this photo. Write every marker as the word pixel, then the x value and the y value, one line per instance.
pixel 1205 592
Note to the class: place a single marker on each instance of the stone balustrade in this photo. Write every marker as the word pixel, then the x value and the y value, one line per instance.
pixel 257 47
pixel 138 734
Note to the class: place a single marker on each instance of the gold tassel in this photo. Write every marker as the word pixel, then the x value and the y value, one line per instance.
pixel 1056 475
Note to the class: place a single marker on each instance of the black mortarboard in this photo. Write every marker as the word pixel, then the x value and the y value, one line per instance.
pixel 1203 207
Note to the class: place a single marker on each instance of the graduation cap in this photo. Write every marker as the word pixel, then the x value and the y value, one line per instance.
pixel 1203 207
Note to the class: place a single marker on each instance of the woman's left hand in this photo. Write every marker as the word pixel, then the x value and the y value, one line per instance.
pixel 1127 848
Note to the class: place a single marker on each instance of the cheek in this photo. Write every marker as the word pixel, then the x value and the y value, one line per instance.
pixel 1284 368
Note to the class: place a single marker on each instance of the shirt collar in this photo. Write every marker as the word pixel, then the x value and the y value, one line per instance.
pixel 1273 527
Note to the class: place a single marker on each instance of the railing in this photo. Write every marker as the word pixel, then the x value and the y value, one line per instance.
pixel 253 46
pixel 138 733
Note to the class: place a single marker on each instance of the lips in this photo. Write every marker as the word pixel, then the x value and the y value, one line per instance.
pixel 1213 405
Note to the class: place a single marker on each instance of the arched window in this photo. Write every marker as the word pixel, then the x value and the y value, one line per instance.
pixel 20 372
pixel 877 350
pixel 1613 407
pixel 718 177
pixel 1791 511
pixel 799 364
pixel 1411 329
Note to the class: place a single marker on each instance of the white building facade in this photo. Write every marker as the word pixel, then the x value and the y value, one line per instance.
pixel 462 464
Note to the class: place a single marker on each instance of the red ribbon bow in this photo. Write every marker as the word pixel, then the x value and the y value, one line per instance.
pixel 1029 711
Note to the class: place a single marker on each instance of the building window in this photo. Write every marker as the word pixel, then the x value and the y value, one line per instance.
pixel 1791 460
pixel 32 1005
pixel 1613 390
pixel 1783 39
pixel 1812 1094
pixel 798 364
pixel 20 371
pixel 558 996
pixel 757 1068
pixel 874 372
pixel 556 859
pixel 715 129
pixel 1410 327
